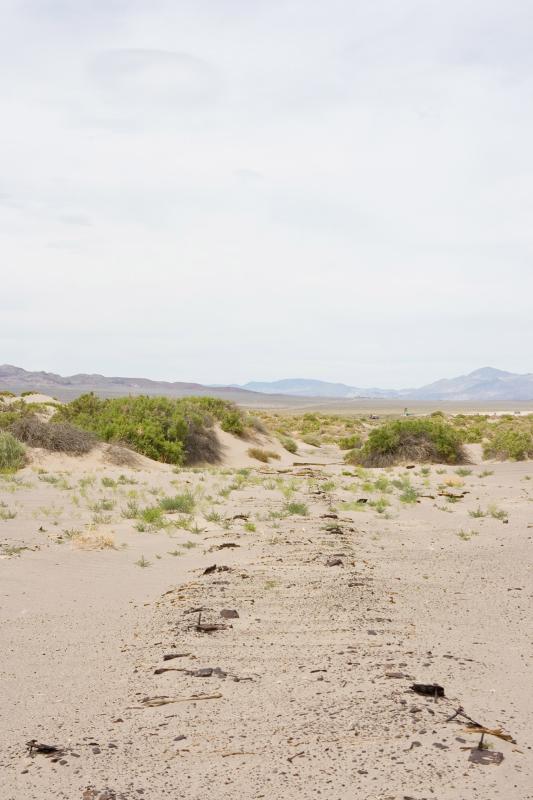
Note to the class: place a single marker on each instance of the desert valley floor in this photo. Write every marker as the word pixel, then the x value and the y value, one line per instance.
pixel 114 648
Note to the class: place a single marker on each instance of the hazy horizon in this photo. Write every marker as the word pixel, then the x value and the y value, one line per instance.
pixel 254 379
pixel 228 191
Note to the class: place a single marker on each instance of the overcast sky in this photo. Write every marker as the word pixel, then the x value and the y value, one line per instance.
pixel 228 190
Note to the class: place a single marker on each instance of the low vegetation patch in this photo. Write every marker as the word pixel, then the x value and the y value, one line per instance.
pixel 510 442
pixel 418 440
pixel 350 442
pixel 58 437
pixel 180 503
pixel 289 444
pixel 175 431
pixel 12 453
pixel 297 509
pixel 262 455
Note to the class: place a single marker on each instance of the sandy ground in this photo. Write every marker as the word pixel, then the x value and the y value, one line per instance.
pixel 337 617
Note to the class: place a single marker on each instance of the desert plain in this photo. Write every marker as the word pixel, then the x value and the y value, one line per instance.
pixel 262 642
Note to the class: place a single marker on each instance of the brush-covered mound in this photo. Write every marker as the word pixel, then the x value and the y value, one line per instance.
pixel 417 440
pixel 174 431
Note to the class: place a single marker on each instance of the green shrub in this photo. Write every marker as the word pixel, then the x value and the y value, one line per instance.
pixel 17 410
pixel 350 442
pixel 12 453
pixel 419 440
pixel 509 442
pixel 175 431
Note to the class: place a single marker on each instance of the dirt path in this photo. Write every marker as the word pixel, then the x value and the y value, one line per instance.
pixel 314 699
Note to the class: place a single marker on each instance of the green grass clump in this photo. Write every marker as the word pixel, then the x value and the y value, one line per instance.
pixel 477 513
pixel 409 495
pixel 182 503
pixel 418 440
pixel 296 508
pixel 381 504
pixel 498 513
pixel 175 431
pixel 12 453
pixel 102 505
pixel 151 519
pixel 466 535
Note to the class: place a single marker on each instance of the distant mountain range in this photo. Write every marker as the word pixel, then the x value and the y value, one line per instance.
pixel 482 384
pixel 300 387
pixel 485 385
pixel 19 380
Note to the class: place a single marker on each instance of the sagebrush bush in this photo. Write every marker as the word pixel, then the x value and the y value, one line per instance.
pixel 59 437
pixel 419 440
pixel 12 453
pixel 175 431
pixel 289 444
pixel 509 442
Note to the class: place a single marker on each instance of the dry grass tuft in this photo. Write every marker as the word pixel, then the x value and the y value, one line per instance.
pixel 87 541
pixel 262 455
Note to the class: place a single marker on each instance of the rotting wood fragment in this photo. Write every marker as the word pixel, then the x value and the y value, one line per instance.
pixel 44 749
pixel 170 656
pixel 160 670
pixel 428 689
pixel 154 702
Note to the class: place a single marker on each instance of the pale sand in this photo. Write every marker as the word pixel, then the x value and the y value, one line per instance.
pixel 83 630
